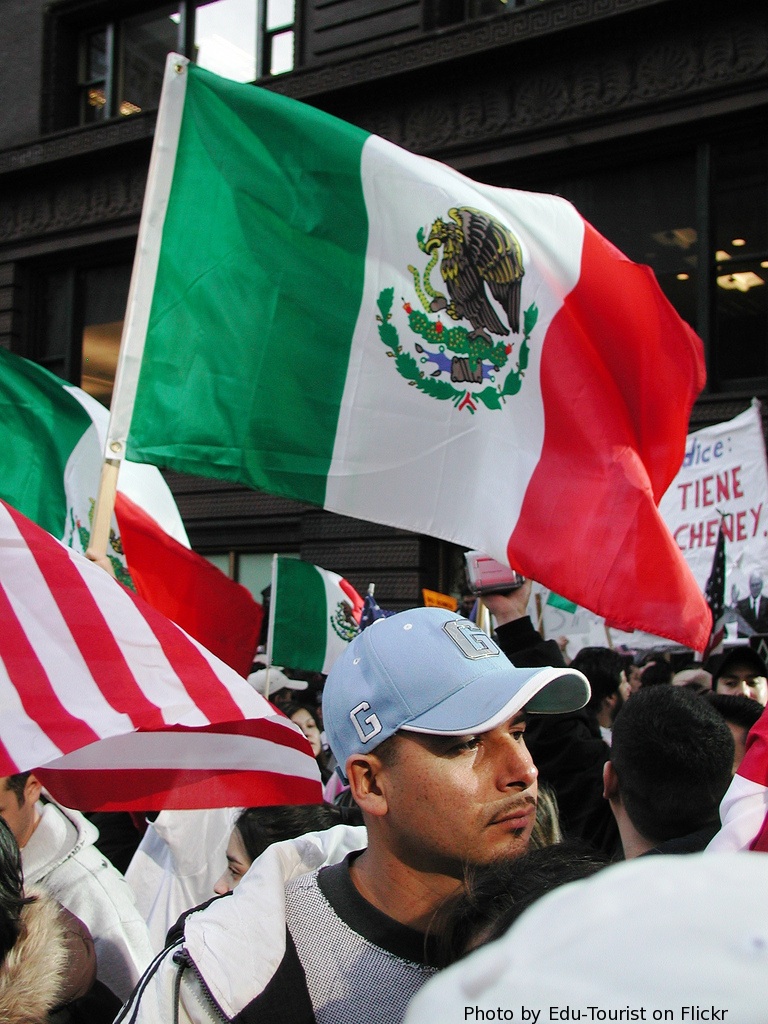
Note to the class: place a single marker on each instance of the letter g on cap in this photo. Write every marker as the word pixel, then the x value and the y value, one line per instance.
pixel 472 641
pixel 368 727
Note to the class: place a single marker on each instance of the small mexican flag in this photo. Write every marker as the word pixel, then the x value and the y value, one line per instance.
pixel 51 448
pixel 556 601
pixel 52 437
pixel 313 615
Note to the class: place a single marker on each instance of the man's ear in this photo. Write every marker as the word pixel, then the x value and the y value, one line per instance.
pixel 611 789
pixel 32 789
pixel 364 772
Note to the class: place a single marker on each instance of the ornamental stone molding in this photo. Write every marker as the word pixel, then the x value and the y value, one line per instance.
pixel 78 143
pixel 674 70
pixel 36 210
pixel 493 94
pixel 479 37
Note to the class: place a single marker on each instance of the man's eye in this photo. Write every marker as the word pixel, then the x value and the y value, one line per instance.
pixel 468 743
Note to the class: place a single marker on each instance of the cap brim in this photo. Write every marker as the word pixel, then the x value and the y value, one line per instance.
pixel 489 700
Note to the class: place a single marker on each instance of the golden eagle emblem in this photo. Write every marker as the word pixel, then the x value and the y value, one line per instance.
pixel 478 251
pixel 472 363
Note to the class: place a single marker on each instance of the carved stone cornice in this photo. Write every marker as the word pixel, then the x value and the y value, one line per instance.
pixel 482 36
pixel 78 143
pixel 40 209
pixel 679 68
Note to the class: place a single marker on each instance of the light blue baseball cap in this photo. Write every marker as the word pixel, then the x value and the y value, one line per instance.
pixel 428 670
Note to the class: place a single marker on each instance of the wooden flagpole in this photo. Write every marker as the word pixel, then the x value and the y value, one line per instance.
pixel 103 509
pixel 271 626
pixel 159 178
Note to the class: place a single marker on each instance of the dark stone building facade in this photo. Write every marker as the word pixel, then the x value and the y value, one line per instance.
pixel 650 115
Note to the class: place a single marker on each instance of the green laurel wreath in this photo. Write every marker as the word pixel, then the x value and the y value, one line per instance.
pixel 456 340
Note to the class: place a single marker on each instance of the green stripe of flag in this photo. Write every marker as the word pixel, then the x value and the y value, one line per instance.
pixel 40 425
pixel 300 625
pixel 555 601
pixel 258 286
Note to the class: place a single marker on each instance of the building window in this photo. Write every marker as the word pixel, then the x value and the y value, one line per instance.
pixel 121 61
pixel 441 13
pixel 78 321
pixel 278 36
pixel 648 210
pixel 740 259
pixel 225 38
pixel 700 221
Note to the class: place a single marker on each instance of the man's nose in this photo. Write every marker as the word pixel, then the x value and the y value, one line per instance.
pixel 515 764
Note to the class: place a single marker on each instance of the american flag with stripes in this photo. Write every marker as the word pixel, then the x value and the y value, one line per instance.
pixel 115 707
pixel 714 591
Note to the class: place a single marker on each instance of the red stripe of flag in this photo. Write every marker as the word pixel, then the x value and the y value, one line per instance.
pixel 195 673
pixel 147 789
pixel 355 599
pixel 256 728
pixel 221 614
pixel 613 442
pixel 31 682
pixel 88 627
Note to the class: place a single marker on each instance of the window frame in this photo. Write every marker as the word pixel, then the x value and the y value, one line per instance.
pixel 78 28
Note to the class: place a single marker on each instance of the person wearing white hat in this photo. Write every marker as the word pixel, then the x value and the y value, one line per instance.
pixel 426 717
pixel 680 938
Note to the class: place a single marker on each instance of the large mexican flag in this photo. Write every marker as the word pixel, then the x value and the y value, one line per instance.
pixel 319 314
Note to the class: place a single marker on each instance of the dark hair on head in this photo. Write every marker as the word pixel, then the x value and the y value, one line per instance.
pixel 603 668
pixel 17 784
pixel 658 672
pixel 496 894
pixel 12 897
pixel 736 708
pixel 673 757
pixel 325 760
pixel 290 707
pixel 259 827
pixel 388 751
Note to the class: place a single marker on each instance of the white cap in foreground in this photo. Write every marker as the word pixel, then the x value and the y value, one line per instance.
pixel 680 938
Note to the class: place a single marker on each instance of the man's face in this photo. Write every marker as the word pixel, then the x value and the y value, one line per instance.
pixel 460 800
pixel 20 819
pixel 755 585
pixel 742 680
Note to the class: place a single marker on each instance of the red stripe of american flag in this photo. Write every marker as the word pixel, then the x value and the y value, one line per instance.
pixel 258 728
pixel 195 673
pixel 89 629
pixel 146 789
pixel 31 682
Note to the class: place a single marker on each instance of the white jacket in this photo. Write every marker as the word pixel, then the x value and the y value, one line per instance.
pixel 60 856
pixel 233 948
pixel 179 860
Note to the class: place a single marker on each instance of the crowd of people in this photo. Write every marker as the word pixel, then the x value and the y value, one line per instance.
pixel 489 841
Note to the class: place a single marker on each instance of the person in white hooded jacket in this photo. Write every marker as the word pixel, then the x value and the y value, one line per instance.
pixel 426 716
pixel 58 853
pixel 233 948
